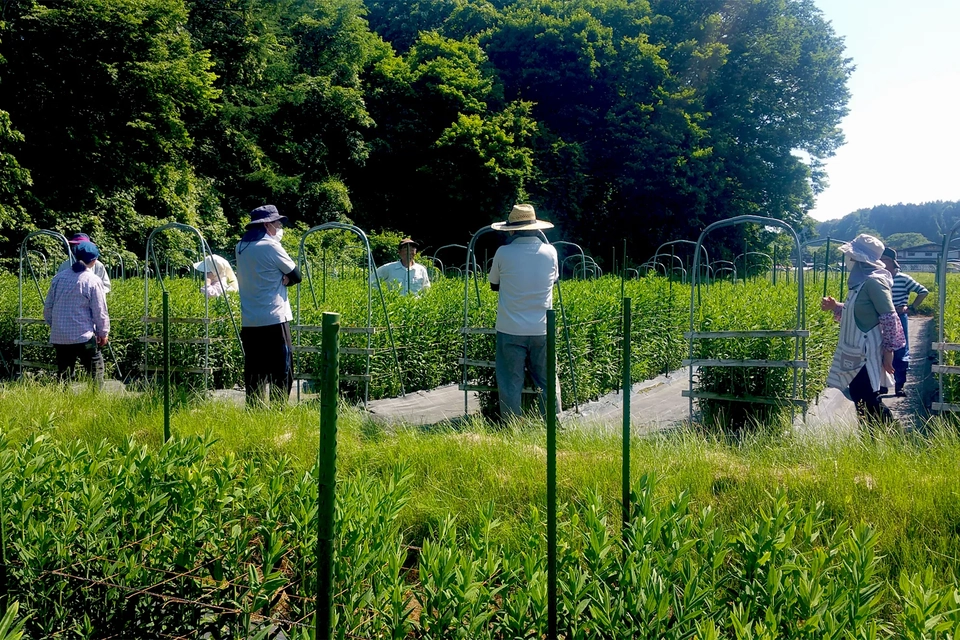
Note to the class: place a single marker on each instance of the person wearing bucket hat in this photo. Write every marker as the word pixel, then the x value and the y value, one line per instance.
pixel 220 277
pixel 870 331
pixel 98 269
pixel 404 273
pixel 76 310
pixel 523 273
pixel 264 271
pixel 903 285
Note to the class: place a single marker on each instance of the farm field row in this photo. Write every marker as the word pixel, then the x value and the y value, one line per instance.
pixel 441 533
pixel 427 332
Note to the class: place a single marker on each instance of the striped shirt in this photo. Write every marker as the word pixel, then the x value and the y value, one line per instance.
pixel 76 308
pixel 903 285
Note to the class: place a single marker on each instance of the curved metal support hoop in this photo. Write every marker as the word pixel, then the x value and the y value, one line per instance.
pixel 697 247
pixel 466 323
pixel 372 277
pixel 207 253
pixel 564 243
pixel 25 258
pixel 942 268
pixel 800 342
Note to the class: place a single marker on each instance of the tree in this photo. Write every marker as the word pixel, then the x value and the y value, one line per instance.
pixel 15 180
pixel 104 93
pixel 448 153
pixel 903 240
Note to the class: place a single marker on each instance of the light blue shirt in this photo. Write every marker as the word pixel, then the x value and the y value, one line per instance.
pixel 261 266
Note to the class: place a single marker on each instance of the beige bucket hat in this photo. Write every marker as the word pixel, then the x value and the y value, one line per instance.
pixel 522 218
pixel 865 248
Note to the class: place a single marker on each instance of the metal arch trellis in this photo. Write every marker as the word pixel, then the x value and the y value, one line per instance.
pixel 465 386
pixel 372 279
pixel 941 346
pixel 564 243
pixel 725 265
pixel 147 339
pixel 697 247
pixel 22 321
pixel 799 333
pixel 826 261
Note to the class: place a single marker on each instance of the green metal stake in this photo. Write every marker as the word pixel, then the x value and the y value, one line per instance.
pixel 551 474
pixel 3 559
pixel 774 265
pixel 327 474
pixel 826 267
pixel 625 472
pixel 166 366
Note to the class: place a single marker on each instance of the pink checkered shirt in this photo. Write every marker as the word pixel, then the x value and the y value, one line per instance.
pixel 76 308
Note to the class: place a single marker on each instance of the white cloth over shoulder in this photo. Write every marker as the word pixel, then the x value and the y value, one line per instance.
pixel 856 349
pixel 526 270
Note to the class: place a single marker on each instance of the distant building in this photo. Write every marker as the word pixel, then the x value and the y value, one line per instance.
pixel 924 257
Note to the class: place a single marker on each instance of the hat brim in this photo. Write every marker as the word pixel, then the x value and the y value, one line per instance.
pixel 409 243
pixel 277 218
pixel 848 249
pixel 535 225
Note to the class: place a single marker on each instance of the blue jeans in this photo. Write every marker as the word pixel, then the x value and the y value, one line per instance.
pixel 514 353
pixel 901 357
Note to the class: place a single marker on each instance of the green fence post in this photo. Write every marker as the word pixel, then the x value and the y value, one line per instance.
pixel 826 267
pixel 327 472
pixel 625 473
pixel 3 559
pixel 551 474
pixel 166 366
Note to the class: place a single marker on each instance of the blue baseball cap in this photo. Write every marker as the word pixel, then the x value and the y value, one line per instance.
pixel 86 251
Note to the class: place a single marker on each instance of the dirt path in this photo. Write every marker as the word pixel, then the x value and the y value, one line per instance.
pixel 914 410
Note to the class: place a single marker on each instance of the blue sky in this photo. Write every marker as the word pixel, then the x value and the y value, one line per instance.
pixel 903 130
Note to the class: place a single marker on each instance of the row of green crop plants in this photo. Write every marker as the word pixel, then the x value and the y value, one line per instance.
pixel 103 541
pixel 951 334
pixel 427 332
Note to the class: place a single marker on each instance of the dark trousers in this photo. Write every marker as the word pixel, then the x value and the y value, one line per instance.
pixel 901 357
pixel 267 361
pixel 89 355
pixel 870 408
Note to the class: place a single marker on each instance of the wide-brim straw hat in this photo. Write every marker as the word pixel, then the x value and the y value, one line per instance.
pixel 522 218
pixel 865 248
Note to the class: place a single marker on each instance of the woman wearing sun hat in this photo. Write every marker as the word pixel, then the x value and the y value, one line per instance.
pixel 220 277
pixel 870 330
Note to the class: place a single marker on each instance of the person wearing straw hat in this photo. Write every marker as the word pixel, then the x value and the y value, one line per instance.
pixel 903 285
pixel 98 269
pixel 523 273
pixel 76 310
pixel 870 331
pixel 264 271
pixel 220 277
pixel 405 273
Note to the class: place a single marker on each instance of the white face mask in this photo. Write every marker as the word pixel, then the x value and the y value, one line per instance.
pixel 279 234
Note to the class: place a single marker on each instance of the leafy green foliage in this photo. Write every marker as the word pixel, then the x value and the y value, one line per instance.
pixel 125 540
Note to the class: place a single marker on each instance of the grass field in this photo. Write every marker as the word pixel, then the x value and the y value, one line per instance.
pixel 474 493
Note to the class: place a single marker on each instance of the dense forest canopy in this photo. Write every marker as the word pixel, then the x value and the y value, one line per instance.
pixel 636 119
pixel 900 225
